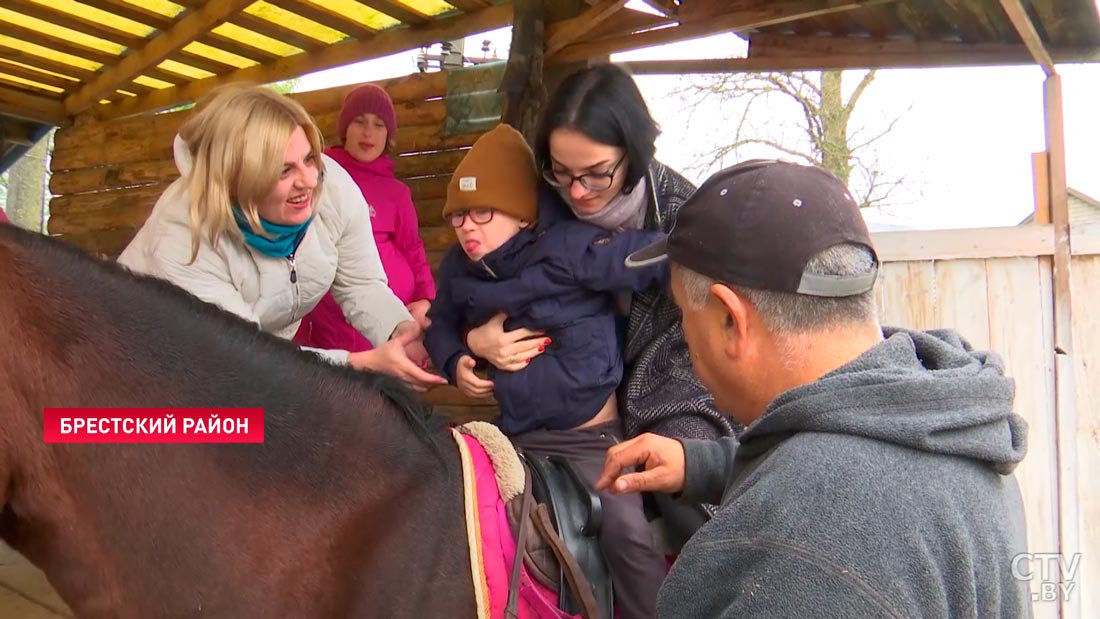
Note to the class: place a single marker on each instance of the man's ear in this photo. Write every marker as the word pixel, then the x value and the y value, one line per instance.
pixel 735 322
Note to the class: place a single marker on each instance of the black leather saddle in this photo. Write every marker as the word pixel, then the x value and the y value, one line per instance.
pixel 577 515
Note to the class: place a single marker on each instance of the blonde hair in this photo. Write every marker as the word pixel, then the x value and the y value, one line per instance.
pixel 237 137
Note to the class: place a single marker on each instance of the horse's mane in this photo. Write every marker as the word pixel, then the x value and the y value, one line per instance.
pixel 109 297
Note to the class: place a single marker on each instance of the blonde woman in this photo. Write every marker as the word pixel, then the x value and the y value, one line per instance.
pixel 262 224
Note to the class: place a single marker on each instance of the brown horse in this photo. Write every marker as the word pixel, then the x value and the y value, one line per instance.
pixel 352 507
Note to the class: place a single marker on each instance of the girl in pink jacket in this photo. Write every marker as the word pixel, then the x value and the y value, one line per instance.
pixel 368 126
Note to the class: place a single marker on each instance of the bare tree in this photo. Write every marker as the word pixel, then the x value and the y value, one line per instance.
pixel 822 135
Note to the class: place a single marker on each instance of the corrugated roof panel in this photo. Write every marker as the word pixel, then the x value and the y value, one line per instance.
pixel 49 54
pixel 46 28
pixel 40 70
pixel 99 16
pixel 428 7
pixel 184 69
pixel 214 53
pixel 26 82
pixel 285 18
pixel 357 12
pixel 165 8
pixel 255 39
pixel 152 82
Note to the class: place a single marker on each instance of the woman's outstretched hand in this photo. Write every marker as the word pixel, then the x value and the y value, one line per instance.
pixel 393 358
pixel 509 351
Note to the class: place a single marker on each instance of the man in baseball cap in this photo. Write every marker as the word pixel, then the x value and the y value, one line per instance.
pixel 874 478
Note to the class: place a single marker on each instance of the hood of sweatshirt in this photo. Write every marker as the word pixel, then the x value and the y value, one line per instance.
pixel 927 391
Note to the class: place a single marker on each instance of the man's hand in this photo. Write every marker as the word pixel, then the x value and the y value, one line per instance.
pixel 661 457
pixel 469 383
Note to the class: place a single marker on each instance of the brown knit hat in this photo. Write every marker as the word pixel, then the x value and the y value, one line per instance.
pixel 497 173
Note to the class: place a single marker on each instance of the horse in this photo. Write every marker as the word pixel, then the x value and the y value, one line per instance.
pixel 352 506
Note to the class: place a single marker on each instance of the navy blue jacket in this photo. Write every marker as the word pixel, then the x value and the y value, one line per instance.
pixel 558 278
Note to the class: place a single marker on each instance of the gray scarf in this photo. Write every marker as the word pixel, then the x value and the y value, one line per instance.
pixel 625 211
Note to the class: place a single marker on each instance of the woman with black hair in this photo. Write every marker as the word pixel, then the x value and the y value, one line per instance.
pixel 595 147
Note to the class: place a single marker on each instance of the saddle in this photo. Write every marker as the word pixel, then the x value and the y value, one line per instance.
pixel 565 555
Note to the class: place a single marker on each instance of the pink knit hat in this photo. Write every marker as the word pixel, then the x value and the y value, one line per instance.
pixel 369 99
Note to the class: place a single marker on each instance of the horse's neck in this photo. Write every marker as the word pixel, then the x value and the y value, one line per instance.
pixel 123 535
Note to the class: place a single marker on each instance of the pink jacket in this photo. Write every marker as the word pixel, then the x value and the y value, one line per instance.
pixel 397 236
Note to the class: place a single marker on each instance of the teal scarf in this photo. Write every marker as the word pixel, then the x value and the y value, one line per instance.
pixel 284 239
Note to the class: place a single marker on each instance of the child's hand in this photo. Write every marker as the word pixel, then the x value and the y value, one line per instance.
pixel 468 382
pixel 419 311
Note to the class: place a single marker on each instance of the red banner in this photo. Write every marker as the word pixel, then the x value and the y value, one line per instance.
pixel 153 425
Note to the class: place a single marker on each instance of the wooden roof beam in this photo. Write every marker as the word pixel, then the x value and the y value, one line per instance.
pixel 1007 55
pixel 153 53
pixel 339 54
pixel 16 132
pixel 35 108
pixel 572 30
pixel 771 15
pixel 1020 20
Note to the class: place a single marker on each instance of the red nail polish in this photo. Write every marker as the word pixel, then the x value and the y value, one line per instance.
pixel 542 348
pixel 527 362
pixel 547 342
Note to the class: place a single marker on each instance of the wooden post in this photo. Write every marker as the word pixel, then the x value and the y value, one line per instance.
pixel 1040 172
pixel 1065 413
pixel 524 92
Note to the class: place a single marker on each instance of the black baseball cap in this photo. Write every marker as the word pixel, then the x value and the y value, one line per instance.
pixel 756 224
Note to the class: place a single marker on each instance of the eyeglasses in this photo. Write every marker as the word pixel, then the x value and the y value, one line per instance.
pixel 477 215
pixel 591 181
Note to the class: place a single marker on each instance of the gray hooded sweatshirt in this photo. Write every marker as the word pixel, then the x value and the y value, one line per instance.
pixel 884 489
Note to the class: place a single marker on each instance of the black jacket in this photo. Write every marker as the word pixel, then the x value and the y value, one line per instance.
pixel 556 277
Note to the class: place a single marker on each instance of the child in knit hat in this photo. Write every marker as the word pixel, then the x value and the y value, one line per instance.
pixel 553 275
pixel 368 128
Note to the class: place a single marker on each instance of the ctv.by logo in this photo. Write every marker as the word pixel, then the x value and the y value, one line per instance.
pixel 1055 575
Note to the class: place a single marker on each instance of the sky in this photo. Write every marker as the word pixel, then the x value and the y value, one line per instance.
pixel 963 139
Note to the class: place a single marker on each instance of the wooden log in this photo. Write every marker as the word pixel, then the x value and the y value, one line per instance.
pixel 128 213
pixel 430 212
pixel 406 91
pixel 144 147
pixel 437 238
pixel 428 188
pixel 438 163
pixel 63 206
pixel 88 179
pixel 106 243
pixel 115 176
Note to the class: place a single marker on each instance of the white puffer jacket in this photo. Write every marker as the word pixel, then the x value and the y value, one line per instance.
pixel 337 252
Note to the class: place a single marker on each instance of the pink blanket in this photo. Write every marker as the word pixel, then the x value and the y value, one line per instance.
pixel 499 548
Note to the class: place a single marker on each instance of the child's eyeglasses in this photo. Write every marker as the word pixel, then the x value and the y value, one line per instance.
pixel 477 215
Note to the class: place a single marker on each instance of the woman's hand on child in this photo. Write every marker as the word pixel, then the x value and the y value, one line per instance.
pixel 510 351
pixel 470 383
pixel 419 311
